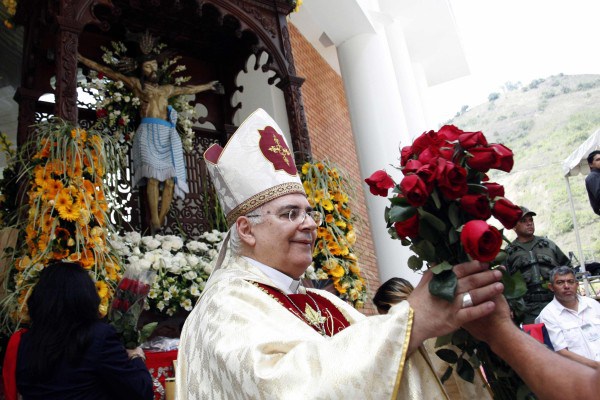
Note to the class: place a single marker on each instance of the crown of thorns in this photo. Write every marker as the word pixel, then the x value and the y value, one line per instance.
pixel 146 44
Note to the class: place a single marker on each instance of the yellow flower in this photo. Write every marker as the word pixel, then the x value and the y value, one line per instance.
pixel 340 223
pixel 305 168
pixel 102 289
pixel 355 269
pixel 327 204
pixel 329 219
pixel 307 187
pixel 69 213
pixel 338 271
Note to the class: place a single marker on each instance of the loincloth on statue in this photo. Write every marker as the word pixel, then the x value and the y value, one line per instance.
pixel 157 153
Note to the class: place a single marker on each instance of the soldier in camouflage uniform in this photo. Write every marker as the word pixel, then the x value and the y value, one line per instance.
pixel 534 256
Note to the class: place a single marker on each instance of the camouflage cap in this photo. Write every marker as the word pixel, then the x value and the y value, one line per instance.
pixel 527 211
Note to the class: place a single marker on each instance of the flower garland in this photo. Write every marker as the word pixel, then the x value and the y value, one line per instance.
pixel 333 257
pixel 182 268
pixel 117 108
pixel 67 213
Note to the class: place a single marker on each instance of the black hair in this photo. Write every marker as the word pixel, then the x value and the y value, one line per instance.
pixel 590 158
pixel 393 291
pixel 63 306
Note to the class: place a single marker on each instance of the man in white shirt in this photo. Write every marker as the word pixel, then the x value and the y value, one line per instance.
pixel 573 321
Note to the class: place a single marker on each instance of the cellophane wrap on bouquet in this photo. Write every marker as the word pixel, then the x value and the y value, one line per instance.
pixel 128 304
pixel 440 210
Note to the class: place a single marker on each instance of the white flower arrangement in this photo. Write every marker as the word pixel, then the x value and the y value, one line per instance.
pixel 182 268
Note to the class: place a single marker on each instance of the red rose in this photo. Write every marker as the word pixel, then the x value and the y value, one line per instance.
pixel 428 155
pixel 472 139
pixel 408 228
pixel 428 174
pixel 425 141
pixel 449 133
pixel 101 113
pixel 505 159
pixel 481 241
pixel 482 158
pixel 379 183
pixel 125 284
pixel 506 212
pixel 452 179
pixel 405 155
pixel 411 167
pixel 116 304
pixel 121 122
pixel 476 205
pixel 100 75
pixel 494 190
pixel 414 190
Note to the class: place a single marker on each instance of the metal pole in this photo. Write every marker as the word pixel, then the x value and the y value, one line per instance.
pixel 575 227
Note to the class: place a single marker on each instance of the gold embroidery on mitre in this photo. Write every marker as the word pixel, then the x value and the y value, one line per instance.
pixel 279 149
pixel 262 198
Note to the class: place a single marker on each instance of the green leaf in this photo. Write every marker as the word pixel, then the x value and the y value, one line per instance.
pixel 443 340
pixel 415 263
pixel 453 236
pixel 425 250
pixel 441 267
pixel 476 188
pixel 454 215
pixel 443 285
pixel 399 213
pixel 446 375
pixel 146 331
pixel 447 355
pixel 514 285
pixel 432 220
pixel 399 201
pixel 460 338
pixel 436 199
pixel 465 370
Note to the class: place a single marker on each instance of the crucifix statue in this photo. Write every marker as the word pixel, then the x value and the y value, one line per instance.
pixel 157 151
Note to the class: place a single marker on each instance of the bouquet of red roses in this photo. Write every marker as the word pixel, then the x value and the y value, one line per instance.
pixel 440 209
pixel 127 305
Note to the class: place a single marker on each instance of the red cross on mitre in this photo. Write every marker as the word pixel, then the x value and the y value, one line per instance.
pixel 273 147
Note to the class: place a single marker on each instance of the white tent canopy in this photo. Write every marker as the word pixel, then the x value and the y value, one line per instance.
pixel 574 165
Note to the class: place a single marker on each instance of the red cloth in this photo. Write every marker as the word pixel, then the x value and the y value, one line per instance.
pixel 336 321
pixel 535 331
pixel 160 365
pixel 9 368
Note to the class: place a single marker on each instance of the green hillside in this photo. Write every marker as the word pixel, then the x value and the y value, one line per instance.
pixel 543 122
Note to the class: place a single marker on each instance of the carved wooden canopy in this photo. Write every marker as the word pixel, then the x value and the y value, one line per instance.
pixel 214 37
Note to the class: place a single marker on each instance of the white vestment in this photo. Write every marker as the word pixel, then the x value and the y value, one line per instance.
pixel 240 343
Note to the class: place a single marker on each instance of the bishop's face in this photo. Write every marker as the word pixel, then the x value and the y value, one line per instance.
pixel 283 244
pixel 150 69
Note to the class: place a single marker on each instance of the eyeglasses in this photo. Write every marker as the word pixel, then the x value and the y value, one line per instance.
pixel 562 282
pixel 296 216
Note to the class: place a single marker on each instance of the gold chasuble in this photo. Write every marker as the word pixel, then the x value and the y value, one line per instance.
pixel 245 339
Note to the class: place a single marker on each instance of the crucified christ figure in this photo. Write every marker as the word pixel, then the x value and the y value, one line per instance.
pixel 157 151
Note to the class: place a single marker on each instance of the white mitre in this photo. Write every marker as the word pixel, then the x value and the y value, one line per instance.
pixel 255 167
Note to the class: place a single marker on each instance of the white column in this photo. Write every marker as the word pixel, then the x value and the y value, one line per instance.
pixel 405 78
pixel 376 115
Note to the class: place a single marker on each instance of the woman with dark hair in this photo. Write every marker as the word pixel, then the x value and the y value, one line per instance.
pixel 67 352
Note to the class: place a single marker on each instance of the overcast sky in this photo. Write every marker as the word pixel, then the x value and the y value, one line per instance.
pixel 518 40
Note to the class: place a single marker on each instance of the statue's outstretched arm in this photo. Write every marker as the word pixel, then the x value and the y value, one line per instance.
pixel 193 89
pixel 112 74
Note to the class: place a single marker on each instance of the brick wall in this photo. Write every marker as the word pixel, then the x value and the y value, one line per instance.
pixel 331 137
